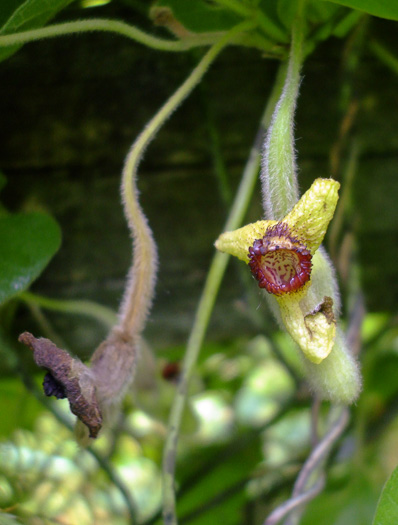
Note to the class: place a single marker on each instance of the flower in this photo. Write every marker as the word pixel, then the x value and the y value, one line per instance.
pixel 285 259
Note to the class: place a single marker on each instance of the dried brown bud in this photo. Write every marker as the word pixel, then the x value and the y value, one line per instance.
pixel 75 378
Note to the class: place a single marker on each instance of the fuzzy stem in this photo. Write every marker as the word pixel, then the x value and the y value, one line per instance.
pixel 139 292
pixel 279 172
pixel 206 303
pixel 98 24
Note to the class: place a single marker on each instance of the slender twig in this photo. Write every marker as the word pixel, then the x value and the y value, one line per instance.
pixel 101 313
pixel 291 504
pixel 311 471
pixel 206 303
pixel 111 473
pixel 111 26
pixel 305 488
pixel 321 451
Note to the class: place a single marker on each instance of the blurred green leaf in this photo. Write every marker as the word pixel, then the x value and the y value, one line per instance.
pixel 27 243
pixel 381 378
pixel 387 508
pixel 199 16
pixel 286 12
pixel 218 493
pixel 21 407
pixel 381 8
pixel 17 15
pixel 8 357
pixel 350 504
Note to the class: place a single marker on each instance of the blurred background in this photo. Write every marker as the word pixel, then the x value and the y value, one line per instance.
pixel 70 109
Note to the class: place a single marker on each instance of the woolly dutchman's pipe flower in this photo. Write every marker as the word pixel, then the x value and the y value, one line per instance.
pixel 285 259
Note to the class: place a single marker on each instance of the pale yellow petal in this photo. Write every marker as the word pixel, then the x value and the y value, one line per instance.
pixel 314 333
pixel 310 217
pixel 238 242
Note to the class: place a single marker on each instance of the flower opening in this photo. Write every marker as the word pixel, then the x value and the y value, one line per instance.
pixel 279 261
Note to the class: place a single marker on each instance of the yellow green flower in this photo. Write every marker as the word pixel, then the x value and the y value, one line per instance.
pixel 283 256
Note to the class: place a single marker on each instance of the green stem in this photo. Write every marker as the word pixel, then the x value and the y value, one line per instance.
pixel 111 26
pixel 279 174
pixel 103 314
pixel 206 303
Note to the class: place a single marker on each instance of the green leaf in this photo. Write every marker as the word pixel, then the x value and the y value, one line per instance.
pixel 381 8
pixel 218 493
pixel 349 499
pixel 387 508
pixel 27 243
pixel 27 14
pixel 18 406
pixel 8 358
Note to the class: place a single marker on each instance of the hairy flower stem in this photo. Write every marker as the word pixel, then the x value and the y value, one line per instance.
pixel 114 361
pixel 142 274
pixel 206 304
pixel 279 171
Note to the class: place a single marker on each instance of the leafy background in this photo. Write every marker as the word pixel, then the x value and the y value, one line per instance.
pixel 70 109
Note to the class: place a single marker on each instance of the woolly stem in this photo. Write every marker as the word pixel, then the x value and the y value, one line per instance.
pixel 139 291
pixel 279 171
pixel 98 24
pixel 206 303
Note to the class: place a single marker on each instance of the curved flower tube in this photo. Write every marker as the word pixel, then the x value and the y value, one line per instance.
pixel 280 255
